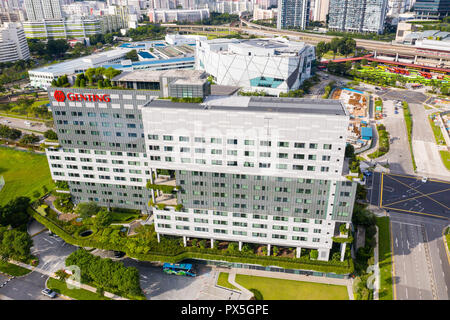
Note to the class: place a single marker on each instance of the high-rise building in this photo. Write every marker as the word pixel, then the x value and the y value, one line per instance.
pixel 321 10
pixel 13 44
pixel 396 7
pixel 246 169
pixel 357 15
pixel 38 10
pixel 293 13
pixel 432 8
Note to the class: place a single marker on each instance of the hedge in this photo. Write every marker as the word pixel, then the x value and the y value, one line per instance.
pixel 409 124
pixel 283 262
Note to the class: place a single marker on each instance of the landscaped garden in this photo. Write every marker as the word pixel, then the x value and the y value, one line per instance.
pixel 383 142
pixel 281 289
pixel 12 269
pixel 144 245
pixel 26 174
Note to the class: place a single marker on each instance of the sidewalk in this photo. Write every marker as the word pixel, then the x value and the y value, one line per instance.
pixel 288 276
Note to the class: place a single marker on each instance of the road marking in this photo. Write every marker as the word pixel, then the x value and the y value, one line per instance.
pixel 381 196
pixel 415 198
pixel 418 212
pixel 420 193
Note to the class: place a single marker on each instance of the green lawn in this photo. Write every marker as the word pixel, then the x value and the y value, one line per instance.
pixel 24 174
pixel 118 217
pixel 445 156
pixel 437 133
pixel 223 281
pixel 447 236
pixel 12 269
pixel 280 289
pixel 385 259
pixel 78 294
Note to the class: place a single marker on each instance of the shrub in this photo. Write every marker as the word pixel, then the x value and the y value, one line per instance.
pixel 257 295
pixel 313 254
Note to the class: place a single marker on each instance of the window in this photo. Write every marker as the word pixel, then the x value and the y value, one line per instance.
pixel 152 137
pixel 232 141
pixel 167 138
pixel 199 139
pixel 265 143
pixel 297 167
pixel 264 154
pixel 300 145
pixel 249 153
pixel 249 142
pixel 313 145
pixel 327 146
pixel 216 140
pixel 184 139
pixel 283 144
pixel 312 157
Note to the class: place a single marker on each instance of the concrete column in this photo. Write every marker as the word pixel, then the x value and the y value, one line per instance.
pixel 212 243
pixel 298 252
pixel 323 254
pixel 240 245
pixel 268 249
pixel 375 54
pixel 343 246
pixel 184 241
pixel 157 235
pixel 415 59
pixel 396 57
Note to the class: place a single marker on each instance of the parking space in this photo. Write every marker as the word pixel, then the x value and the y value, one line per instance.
pixel 26 288
pixel 410 194
pixel 158 285
pixel 51 250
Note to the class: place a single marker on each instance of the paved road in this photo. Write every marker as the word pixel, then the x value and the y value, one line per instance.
pixel 20 124
pixel 160 286
pixel 25 288
pixel 422 271
pixel 398 157
pixel 426 153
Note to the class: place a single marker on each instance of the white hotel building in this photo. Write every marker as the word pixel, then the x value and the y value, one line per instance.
pixel 273 65
pixel 246 169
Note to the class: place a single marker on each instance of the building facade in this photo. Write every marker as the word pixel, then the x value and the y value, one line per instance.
pixel 246 169
pixel 431 9
pixel 293 13
pixel 38 10
pixel 357 15
pixel 273 65
pixel 13 44
pixel 182 15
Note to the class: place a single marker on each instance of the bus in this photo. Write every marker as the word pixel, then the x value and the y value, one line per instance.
pixel 184 269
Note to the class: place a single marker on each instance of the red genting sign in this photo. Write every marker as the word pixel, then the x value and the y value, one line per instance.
pixel 60 96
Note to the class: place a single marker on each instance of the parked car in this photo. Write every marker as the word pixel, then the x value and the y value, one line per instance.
pixel 424 179
pixel 118 254
pixel 49 293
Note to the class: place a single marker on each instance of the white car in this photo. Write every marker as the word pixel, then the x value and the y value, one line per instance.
pixel 424 179
pixel 49 293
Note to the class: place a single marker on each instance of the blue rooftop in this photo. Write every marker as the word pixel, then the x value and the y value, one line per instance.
pixel 150 62
pixel 146 55
pixel 366 133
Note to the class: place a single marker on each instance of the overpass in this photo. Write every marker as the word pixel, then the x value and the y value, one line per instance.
pixel 437 59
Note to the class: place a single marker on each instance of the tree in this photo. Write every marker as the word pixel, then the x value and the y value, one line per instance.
pixel 14 213
pixel 29 139
pixel 132 55
pixel 322 47
pixel 102 219
pixel 9 133
pixel 50 135
pixel 82 83
pixel 14 244
pixel 100 84
pixel 57 47
pixel 87 209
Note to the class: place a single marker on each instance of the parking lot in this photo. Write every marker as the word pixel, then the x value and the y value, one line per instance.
pixel 51 250
pixel 158 285
pixel 402 193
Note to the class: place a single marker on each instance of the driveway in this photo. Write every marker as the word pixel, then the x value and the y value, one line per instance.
pixel 158 285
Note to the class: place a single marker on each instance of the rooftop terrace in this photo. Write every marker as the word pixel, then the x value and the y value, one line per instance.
pixel 259 104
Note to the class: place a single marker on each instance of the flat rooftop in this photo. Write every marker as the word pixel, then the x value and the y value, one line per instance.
pixel 154 75
pixel 258 104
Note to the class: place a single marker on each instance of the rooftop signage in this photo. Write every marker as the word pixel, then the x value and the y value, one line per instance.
pixel 61 97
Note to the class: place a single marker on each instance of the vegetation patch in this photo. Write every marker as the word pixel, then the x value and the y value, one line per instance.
pixel 445 156
pixel 384 258
pixel 12 269
pixel 78 294
pixel 26 174
pixel 408 122
pixel 383 142
pixel 281 289
pixel 223 281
